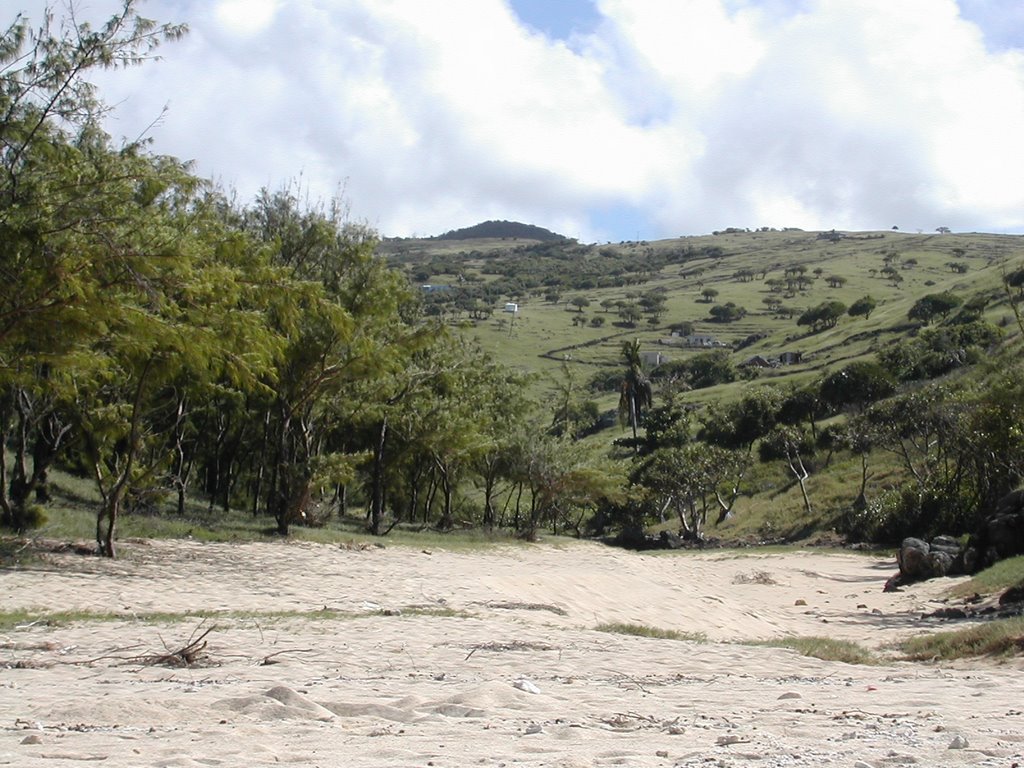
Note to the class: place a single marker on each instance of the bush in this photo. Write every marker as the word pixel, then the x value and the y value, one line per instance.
pixel 899 513
pixel 34 516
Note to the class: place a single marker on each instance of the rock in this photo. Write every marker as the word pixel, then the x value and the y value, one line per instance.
pixel 919 560
pixel 947 613
pixel 941 562
pixel 1006 534
pixel 32 738
pixel 724 741
pixel 958 742
pixel 1011 503
pixel 526 685
pixel 1013 595
pixel 912 559
pixel 534 728
pixel 801 601
pixel 790 695
pixel 945 544
pixel 893 583
pixel 670 540
pixel 1001 536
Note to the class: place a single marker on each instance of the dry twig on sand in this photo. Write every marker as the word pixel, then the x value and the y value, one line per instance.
pixel 189 655
pixel 517 606
pixel 516 645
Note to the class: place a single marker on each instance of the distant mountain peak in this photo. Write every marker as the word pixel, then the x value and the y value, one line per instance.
pixel 502 229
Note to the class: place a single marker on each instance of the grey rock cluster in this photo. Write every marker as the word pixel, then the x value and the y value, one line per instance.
pixel 1000 537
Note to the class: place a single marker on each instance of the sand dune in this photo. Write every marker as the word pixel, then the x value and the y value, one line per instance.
pixel 485 658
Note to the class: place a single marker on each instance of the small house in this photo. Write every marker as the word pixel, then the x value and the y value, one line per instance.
pixel 652 359
pixel 757 361
pixel 512 307
pixel 699 340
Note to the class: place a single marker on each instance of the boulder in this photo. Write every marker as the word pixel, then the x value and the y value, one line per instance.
pixel 1001 536
pixel 945 544
pixel 1012 596
pixel 670 540
pixel 912 559
pixel 919 560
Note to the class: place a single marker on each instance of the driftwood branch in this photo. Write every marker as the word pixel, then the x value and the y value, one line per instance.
pixel 187 656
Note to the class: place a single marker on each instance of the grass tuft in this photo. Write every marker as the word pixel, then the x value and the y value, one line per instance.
pixel 999 638
pixel 824 648
pixel 642 630
pixel 1003 575
pixel 25 618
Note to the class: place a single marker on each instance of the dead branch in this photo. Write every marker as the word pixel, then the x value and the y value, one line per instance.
pixel 271 658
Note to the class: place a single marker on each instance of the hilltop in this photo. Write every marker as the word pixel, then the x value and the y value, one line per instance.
pixel 502 230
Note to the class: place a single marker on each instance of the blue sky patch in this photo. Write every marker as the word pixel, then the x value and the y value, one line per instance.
pixel 557 19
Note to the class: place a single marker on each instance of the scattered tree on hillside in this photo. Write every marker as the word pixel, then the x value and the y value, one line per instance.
pixel 635 394
pixel 863 306
pixel 858 384
pixel 630 314
pixel 789 444
pixel 825 315
pixel 928 307
pixel 743 423
pixel 727 313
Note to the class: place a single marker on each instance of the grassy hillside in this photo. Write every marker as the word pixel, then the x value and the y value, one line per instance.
pixel 542 334
pixel 550 330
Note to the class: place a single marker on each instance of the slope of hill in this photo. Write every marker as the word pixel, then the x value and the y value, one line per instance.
pixel 578 304
pixel 582 301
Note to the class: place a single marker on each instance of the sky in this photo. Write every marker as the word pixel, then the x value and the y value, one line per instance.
pixel 603 120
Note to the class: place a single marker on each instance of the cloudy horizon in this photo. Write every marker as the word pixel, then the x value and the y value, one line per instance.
pixel 605 120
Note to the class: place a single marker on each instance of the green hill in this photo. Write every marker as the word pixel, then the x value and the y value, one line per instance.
pixel 774 276
pixel 502 229
pixel 577 305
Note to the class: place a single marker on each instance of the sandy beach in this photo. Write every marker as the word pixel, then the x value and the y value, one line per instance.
pixel 321 655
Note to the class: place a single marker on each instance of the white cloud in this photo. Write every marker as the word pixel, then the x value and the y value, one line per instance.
pixel 246 17
pixel 434 114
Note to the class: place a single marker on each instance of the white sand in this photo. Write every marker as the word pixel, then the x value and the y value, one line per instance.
pixel 517 676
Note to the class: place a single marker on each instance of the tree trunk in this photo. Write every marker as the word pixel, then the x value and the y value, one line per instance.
pixel 110 511
pixel 861 502
pixel 490 481
pixel 377 484
pixel 257 489
pixel 112 499
pixel 801 474
pixel 447 522
pixel 5 503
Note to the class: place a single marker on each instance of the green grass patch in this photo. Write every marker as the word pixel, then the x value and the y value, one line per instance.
pixel 25 618
pixel 825 648
pixel 642 630
pixel 998 638
pixel 1003 575
pixel 72 517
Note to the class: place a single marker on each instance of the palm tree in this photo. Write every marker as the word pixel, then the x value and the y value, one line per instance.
pixel 635 395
